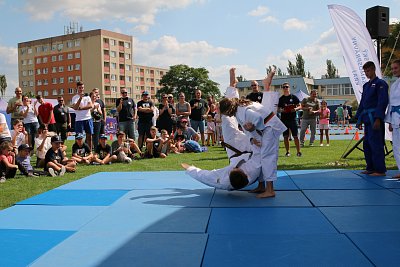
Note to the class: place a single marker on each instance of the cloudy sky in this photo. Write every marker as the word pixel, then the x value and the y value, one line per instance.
pixel 215 34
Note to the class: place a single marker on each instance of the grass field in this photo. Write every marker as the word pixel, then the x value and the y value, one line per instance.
pixel 19 188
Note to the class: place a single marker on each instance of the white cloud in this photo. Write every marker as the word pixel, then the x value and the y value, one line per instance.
pixel 259 11
pixel 393 20
pixel 167 50
pixel 295 24
pixel 269 19
pixel 142 28
pixel 9 62
pixel 131 11
pixel 315 55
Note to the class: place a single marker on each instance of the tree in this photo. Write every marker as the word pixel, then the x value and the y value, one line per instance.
pixel 3 84
pixel 298 67
pixel 390 44
pixel 331 70
pixel 182 78
pixel 278 70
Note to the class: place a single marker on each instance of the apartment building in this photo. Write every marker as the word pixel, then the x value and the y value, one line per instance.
pixel 101 59
pixel 147 79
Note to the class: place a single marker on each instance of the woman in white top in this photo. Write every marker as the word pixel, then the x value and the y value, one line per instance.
pixel 18 135
pixel 43 143
pixel 31 123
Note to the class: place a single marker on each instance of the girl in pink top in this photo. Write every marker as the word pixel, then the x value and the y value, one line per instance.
pixel 324 114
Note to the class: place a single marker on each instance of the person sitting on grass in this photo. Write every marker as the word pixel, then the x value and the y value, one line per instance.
pixel 121 148
pixel 23 160
pixel 43 144
pixel 18 135
pixel 8 168
pixel 54 158
pixel 103 152
pixel 81 152
pixel 153 145
pixel 179 140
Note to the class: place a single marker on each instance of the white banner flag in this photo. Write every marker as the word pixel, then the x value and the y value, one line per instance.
pixel 356 44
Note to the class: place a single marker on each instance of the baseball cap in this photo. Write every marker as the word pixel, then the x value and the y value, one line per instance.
pixel 79 136
pixel 56 139
pixel 145 93
pixel 103 136
pixel 120 133
pixel 24 146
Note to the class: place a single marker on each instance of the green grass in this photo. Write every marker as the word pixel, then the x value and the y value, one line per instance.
pixel 19 188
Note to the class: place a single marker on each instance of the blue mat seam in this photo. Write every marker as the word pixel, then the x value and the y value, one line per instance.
pixel 359 249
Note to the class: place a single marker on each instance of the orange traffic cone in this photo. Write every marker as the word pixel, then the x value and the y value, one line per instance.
pixel 307 131
pixel 111 137
pixel 357 136
pixel 346 131
pixel 351 127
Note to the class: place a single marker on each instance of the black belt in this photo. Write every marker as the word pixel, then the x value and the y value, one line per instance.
pixel 269 117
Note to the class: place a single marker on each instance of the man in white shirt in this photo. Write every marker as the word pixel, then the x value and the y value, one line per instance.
pixel 82 104
pixel 5 134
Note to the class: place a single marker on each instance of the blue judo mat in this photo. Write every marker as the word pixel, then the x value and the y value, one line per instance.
pixel 318 218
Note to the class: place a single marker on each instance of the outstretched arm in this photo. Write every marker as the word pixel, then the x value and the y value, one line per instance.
pixel 232 77
pixel 268 80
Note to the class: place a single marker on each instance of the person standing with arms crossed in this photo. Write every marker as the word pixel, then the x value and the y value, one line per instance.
pixel 371 113
pixel 199 111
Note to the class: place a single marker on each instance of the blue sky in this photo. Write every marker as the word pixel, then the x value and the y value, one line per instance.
pixel 215 34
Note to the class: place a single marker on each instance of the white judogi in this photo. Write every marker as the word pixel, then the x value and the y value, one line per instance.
pixel 394 119
pixel 271 130
pixel 248 163
pixel 233 136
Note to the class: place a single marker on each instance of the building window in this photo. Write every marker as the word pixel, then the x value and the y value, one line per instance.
pixel 127 56
pixel 113 89
pixel 113 42
pixel 38 49
pixel 60 57
pixel 55 92
pixel 77 66
pixel 137 70
pixel 29 50
pixel 39 92
pixel 70 56
pixel 31 83
pixel 78 55
pixel 113 54
pixel 53 47
pixel 70 67
pixel 77 78
pixel 61 69
pixel 30 72
pixel 113 77
pixel 45 60
pixel 127 45
pixel 70 44
pixel 23 50
pixel 54 70
pixel 30 61
pixel 129 78
pixel 128 67
pixel 137 79
pixel 77 43
pixel 61 91
pixel 45 48
pixel 70 91
pixel 61 79
pixel 38 60
pixel 45 70
pixel 70 79
pixel 113 65
pixel 45 82
pixel 24 73
pixel 347 89
pixel 53 58
pixel 23 62
pixel 39 82
pixel 60 47
pixel 54 80
pixel 38 71
pixel 45 93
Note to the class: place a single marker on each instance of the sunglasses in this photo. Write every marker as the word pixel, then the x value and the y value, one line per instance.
pixel 124 93
pixel 285 87
pixel 170 97
pixel 254 85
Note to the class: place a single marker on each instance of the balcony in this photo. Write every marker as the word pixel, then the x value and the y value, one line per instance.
pixel 122 82
pixel 121 48
pixel 121 60
pixel 106 69
pixel 107 81
pixel 106 57
pixel 107 92
pixel 106 45
pixel 121 71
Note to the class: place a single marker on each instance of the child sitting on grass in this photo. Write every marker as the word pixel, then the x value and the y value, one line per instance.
pixel 103 152
pixel 153 145
pixel 81 152
pixel 8 168
pixel 23 160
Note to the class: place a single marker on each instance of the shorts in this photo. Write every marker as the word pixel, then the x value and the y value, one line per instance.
pixel 292 126
pixel 323 126
pixel 197 125
pixel 144 128
pixel 84 126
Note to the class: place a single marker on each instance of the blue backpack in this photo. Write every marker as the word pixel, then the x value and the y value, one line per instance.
pixel 192 146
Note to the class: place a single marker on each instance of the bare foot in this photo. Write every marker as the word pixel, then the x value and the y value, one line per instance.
pixel 260 188
pixel 185 165
pixel 366 172
pixel 266 194
pixel 378 174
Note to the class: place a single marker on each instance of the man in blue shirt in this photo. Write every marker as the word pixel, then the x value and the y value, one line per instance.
pixel 371 112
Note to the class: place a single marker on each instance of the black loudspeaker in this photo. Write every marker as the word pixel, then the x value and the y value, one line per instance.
pixel 378 22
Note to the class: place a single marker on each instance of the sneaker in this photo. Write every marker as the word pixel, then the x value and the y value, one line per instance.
pixel 3 179
pixel 287 154
pixel 52 172
pixel 299 154
pixel 327 144
pixel 302 144
pixel 62 171
pixel 311 144
pixel 321 145
pixel 128 160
